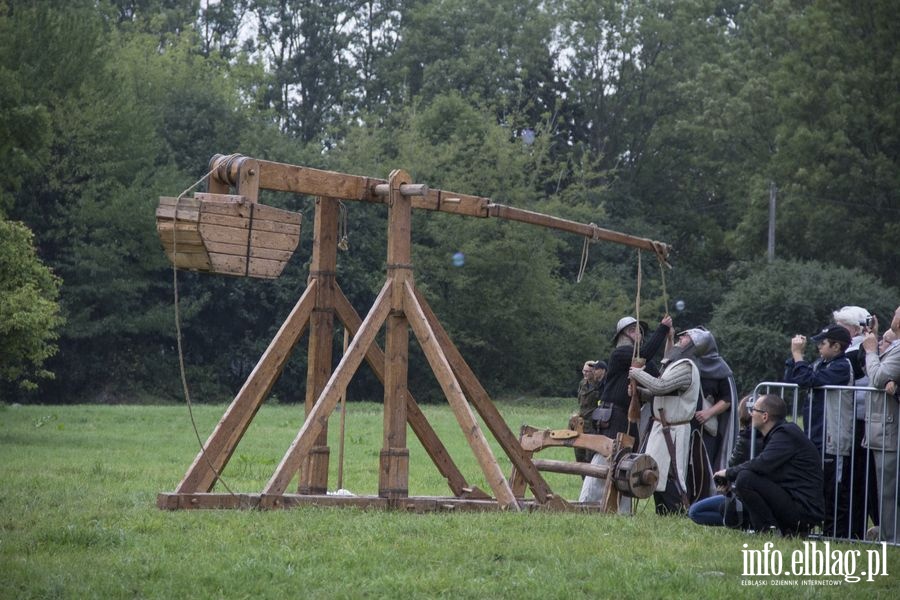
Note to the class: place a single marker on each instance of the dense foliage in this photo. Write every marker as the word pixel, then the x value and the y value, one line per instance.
pixel 669 120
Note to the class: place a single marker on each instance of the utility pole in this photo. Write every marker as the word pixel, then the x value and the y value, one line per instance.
pixel 772 194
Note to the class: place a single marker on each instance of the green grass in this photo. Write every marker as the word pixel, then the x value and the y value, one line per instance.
pixel 78 519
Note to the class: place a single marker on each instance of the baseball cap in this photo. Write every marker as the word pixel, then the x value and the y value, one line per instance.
pixel 835 333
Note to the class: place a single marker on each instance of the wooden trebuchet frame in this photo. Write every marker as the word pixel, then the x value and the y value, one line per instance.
pixel 398 308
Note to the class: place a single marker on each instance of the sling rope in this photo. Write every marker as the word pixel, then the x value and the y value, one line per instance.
pixel 585 251
pixel 181 369
pixel 635 352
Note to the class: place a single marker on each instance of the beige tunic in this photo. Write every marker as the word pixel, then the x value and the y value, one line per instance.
pixel 675 394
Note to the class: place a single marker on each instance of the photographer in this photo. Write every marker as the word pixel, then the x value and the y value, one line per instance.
pixel 782 487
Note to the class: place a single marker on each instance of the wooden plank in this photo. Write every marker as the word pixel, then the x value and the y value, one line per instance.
pixel 230 429
pixel 315 182
pixel 184 243
pixel 228 264
pixel 492 418
pixel 274 241
pixel 168 227
pixel 184 214
pixel 222 198
pixel 337 385
pixel 276 226
pixel 211 218
pixel 185 202
pixel 537 439
pixel 268 269
pixel 186 249
pixel 270 254
pixel 227 209
pixel 416 504
pixel 464 415
pixel 241 250
pixel 227 235
pixel 414 415
pixel 264 212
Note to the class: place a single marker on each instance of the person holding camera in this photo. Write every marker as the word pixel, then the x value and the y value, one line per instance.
pixel 863 492
pixel 782 488
pixel 883 420
pixel 828 416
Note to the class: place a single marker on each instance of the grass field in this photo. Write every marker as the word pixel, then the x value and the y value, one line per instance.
pixel 78 519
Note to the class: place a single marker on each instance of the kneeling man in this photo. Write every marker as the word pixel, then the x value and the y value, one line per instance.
pixel 782 488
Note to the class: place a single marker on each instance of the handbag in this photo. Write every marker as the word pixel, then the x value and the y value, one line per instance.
pixel 711 427
pixel 601 416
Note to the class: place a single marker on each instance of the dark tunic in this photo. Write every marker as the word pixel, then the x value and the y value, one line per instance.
pixel 615 393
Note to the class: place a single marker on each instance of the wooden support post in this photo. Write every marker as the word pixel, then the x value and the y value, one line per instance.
pixel 473 389
pixel 414 416
pixel 322 267
pixel 464 415
pixel 201 476
pixel 393 480
pixel 328 399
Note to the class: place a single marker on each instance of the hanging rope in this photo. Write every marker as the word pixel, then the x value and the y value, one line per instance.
pixel 662 276
pixel 181 369
pixel 637 306
pixel 344 241
pixel 585 251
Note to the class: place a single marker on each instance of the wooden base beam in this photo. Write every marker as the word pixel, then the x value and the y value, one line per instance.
pixel 417 504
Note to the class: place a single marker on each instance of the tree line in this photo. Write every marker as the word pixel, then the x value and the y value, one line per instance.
pixel 675 121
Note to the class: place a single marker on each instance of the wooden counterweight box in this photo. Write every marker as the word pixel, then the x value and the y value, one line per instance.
pixel 227 234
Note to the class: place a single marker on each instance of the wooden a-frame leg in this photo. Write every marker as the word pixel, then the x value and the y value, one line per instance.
pixel 464 415
pixel 473 389
pixel 414 416
pixel 201 476
pixel 328 399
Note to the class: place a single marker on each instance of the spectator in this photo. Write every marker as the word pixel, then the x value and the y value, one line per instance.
pixel 629 332
pixel 863 492
pixel 781 488
pixel 883 420
pixel 593 377
pixel 829 416
pixel 674 395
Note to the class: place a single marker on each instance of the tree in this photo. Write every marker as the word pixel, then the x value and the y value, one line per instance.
pixel 29 309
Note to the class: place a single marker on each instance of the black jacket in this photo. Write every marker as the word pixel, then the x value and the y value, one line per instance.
pixel 790 459
pixel 616 390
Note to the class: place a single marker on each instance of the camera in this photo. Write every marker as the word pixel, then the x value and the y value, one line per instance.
pixel 869 320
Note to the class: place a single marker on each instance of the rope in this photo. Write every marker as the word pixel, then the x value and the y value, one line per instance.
pixel 181 369
pixel 635 352
pixel 585 250
pixel 584 260
pixel 344 242
pixel 662 275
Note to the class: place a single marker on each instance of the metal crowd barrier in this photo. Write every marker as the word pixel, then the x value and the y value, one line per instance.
pixel 862 486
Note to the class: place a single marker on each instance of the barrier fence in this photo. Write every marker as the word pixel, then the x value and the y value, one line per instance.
pixel 856 432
